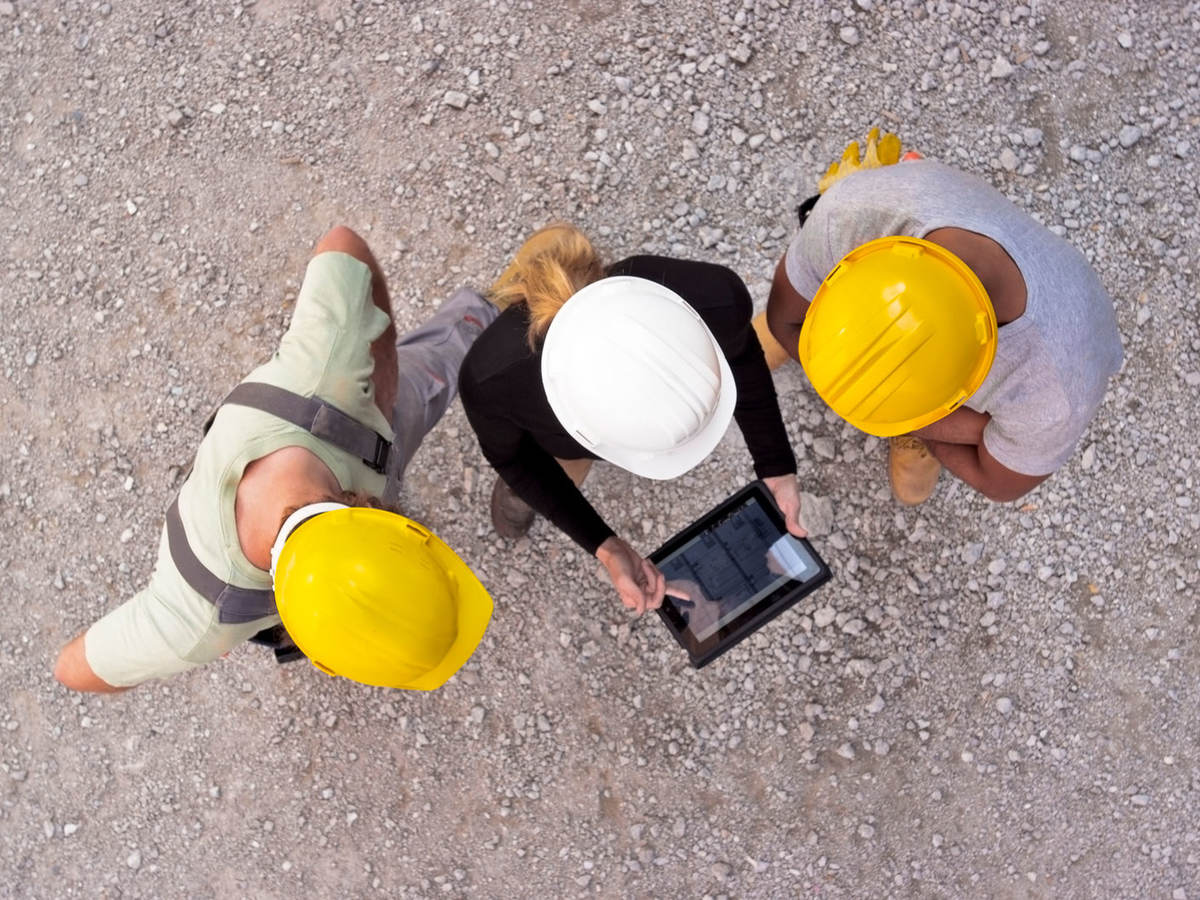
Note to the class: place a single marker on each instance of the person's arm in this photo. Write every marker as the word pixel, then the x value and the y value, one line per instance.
pixel 978 468
pixel 757 412
pixel 963 426
pixel 73 670
pixel 786 310
pixel 533 474
pixel 383 349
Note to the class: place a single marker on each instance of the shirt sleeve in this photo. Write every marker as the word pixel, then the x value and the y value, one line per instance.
pixel 146 637
pixel 326 350
pixel 1029 449
pixel 163 630
pixel 757 411
pixel 533 474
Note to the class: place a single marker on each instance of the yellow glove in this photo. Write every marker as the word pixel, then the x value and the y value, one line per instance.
pixel 884 152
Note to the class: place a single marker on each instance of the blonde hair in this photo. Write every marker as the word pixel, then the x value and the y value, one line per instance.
pixel 554 263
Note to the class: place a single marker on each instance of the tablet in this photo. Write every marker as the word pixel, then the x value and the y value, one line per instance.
pixel 741 568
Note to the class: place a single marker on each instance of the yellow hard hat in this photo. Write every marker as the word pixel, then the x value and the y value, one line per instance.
pixel 899 334
pixel 377 598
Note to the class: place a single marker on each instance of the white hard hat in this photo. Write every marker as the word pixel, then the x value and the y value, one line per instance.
pixel 635 376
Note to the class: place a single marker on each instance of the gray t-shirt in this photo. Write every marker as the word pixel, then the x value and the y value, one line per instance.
pixel 1052 364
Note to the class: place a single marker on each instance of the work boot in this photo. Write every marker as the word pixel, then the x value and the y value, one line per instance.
pixel 774 352
pixel 912 470
pixel 511 516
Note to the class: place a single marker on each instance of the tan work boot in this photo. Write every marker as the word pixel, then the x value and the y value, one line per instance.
pixel 912 470
pixel 776 355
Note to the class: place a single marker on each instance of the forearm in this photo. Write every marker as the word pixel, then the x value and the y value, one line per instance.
pixel 978 468
pixel 963 426
pixel 536 477
pixel 785 311
pixel 383 348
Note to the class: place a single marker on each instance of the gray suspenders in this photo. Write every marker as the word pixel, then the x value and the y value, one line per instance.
pixel 237 605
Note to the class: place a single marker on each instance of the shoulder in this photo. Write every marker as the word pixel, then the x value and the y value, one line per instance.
pixel 500 353
pixel 713 290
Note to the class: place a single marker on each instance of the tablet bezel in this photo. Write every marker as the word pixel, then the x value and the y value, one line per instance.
pixel 787 595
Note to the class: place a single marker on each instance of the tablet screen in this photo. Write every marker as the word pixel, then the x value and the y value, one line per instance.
pixel 735 563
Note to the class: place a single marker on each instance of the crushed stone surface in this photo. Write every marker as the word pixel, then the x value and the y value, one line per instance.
pixel 986 701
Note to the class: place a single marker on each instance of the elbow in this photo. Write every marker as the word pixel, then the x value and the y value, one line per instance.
pixel 62 671
pixel 66 669
pixel 998 493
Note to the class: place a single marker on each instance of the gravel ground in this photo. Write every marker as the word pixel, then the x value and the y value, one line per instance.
pixel 987 701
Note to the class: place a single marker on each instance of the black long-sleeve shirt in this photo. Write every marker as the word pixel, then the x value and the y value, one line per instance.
pixel 501 388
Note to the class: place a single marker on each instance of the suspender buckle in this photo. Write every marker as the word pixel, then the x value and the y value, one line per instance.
pixel 379 459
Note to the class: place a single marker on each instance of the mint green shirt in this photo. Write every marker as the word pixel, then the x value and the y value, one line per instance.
pixel 169 628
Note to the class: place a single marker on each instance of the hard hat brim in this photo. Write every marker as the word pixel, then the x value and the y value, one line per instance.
pixel 474 613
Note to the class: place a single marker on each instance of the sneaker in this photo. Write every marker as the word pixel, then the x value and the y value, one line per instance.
pixel 511 516
pixel 912 470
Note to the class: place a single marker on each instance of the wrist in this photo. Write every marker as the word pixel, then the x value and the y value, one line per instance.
pixel 609 547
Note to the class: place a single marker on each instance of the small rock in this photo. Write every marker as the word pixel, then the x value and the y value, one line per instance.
pixel 824 616
pixel 535 117
pixel 7 9
pixel 1031 136
pixel 1129 135
pixel 700 122
pixel 816 514
pixel 1136 800
pixel 134 859
pixel 866 831
pixel 175 118
pixel 1125 39
pixel 1001 68
pixel 456 99
pixel 1009 160
pixel 1004 706
pixel 721 871
pixel 849 35
pixel 69 829
pixel 824 447
pixel 846 750
pixel 1089 457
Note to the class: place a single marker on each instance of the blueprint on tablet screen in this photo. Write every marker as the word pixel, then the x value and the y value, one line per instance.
pixel 734 565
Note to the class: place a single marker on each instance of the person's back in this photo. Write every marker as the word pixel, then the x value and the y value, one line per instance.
pixel 1053 358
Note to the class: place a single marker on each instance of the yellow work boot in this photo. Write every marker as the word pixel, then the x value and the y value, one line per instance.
pixel 912 470
pixel 774 352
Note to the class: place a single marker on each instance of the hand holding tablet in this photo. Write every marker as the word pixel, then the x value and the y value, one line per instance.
pixel 739 568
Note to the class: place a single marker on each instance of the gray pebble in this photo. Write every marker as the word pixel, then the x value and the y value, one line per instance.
pixel 1001 68
pixel 849 35
pixel 1129 135
pixel 456 99
pixel 700 122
